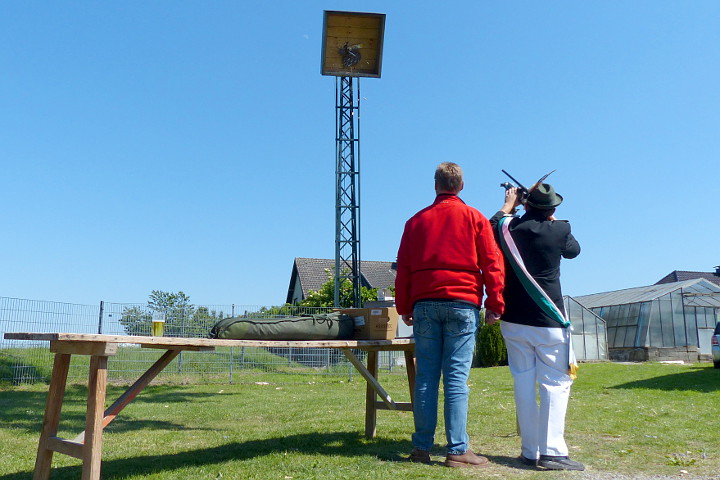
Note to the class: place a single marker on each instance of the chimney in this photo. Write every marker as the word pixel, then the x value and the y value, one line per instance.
pixel 717 270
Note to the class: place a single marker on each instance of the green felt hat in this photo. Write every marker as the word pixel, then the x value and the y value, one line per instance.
pixel 543 196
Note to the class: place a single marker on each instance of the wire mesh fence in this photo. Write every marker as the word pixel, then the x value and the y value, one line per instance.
pixel 24 361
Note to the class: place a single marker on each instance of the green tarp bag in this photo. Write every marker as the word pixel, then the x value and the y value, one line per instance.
pixel 323 326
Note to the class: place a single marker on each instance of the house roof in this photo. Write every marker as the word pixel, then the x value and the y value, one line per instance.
pixel 379 274
pixel 682 275
pixel 314 272
pixel 702 293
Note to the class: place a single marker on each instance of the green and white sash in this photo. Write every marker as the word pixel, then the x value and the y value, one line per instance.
pixel 531 286
pixel 536 292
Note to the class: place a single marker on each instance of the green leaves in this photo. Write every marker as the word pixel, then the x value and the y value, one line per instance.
pixel 182 318
pixel 325 295
pixel 490 347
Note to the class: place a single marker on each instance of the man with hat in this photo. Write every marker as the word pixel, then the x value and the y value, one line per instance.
pixel 534 324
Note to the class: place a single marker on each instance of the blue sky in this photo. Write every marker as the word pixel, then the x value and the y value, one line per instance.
pixel 190 145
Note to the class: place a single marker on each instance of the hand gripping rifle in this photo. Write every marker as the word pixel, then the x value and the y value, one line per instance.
pixel 524 192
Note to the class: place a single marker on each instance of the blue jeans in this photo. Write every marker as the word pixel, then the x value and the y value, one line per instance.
pixel 444 334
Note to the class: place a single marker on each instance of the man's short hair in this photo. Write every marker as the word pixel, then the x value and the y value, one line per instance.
pixel 449 177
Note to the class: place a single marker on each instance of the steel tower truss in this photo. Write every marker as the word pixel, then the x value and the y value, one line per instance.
pixel 347 191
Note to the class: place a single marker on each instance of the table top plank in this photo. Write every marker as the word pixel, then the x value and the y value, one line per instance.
pixel 170 342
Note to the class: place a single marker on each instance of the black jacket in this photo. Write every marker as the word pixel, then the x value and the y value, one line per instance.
pixel 541 244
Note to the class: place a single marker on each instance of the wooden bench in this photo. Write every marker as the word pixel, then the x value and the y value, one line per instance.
pixel 88 444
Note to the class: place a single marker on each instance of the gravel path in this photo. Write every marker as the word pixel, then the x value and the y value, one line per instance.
pixel 620 476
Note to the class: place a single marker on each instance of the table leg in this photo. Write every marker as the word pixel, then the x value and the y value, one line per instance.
pixel 370 395
pixel 371 379
pixel 53 407
pixel 97 387
pixel 112 412
pixel 410 369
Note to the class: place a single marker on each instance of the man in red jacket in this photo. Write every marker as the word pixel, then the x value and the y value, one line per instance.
pixel 447 255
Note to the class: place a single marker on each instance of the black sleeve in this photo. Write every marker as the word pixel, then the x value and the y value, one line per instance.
pixel 572 247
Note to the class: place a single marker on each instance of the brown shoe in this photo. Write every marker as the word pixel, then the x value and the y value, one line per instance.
pixel 419 456
pixel 467 459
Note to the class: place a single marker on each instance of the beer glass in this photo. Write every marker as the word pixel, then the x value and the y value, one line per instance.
pixel 158 324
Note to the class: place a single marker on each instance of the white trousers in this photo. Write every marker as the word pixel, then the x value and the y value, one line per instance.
pixel 538 359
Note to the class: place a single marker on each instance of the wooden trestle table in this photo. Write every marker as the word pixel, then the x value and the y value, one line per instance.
pixel 88 444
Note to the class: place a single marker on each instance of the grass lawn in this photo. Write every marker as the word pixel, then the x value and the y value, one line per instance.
pixel 637 420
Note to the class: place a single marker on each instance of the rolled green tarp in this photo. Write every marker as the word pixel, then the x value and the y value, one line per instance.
pixel 323 326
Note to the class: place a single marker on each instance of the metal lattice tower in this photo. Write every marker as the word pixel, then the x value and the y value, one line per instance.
pixel 347 191
pixel 352 47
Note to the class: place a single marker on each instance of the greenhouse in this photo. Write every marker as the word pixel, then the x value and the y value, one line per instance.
pixel 670 321
pixel 588 332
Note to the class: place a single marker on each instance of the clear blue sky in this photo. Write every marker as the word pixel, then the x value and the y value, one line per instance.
pixel 190 145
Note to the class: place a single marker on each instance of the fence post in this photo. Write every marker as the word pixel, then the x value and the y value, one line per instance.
pixel 100 320
pixel 232 349
pixel 182 334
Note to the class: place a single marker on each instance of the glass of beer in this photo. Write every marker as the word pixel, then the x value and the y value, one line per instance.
pixel 158 324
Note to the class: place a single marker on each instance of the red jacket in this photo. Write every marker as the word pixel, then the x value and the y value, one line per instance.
pixel 448 251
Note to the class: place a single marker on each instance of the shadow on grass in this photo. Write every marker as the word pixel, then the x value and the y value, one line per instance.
pixel 700 379
pixel 24 410
pixel 162 394
pixel 347 444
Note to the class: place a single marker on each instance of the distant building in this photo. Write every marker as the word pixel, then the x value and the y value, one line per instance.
pixel 311 273
pixel 682 275
pixel 665 321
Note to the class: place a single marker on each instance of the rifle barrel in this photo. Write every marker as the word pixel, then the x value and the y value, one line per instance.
pixel 513 179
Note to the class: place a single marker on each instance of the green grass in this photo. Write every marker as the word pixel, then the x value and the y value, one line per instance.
pixel 638 420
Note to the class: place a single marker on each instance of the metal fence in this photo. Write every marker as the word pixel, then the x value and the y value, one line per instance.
pixel 29 362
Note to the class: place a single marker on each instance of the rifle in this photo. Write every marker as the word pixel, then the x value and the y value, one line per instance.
pixel 524 192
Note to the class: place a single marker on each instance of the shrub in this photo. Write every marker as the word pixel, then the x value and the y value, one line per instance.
pixel 489 347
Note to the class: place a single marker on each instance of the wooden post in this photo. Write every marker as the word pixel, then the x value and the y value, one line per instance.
pixel 112 412
pixel 370 395
pixel 53 407
pixel 410 368
pixel 97 387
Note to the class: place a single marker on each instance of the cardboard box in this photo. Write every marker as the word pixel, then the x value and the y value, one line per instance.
pixel 377 323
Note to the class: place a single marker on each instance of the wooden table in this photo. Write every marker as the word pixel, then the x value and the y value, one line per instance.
pixel 88 444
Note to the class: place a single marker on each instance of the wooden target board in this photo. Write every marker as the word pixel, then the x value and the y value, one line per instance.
pixel 352 44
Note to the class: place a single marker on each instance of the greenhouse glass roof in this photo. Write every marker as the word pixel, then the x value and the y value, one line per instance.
pixel 697 292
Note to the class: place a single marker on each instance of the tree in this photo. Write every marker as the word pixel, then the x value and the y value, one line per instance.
pixel 136 321
pixel 182 318
pixel 176 308
pixel 325 295
pixel 202 322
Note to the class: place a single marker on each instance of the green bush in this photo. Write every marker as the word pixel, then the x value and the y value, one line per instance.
pixel 489 347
